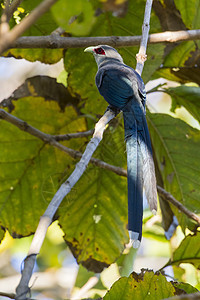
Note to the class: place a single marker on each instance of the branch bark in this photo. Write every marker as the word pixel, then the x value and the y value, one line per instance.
pixel 13 7
pixel 168 197
pixel 9 37
pixel 55 41
pixel 68 136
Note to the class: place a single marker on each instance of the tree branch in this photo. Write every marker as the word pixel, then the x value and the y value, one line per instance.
pixel 55 41
pixel 9 37
pixel 68 136
pixel 141 56
pixel 168 197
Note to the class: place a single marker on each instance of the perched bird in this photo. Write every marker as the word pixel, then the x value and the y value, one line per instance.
pixel 123 88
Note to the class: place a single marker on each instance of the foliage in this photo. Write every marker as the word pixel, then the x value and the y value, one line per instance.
pixel 94 215
pixel 147 285
pixel 188 251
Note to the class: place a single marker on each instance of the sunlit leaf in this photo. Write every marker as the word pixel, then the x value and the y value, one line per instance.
pixel 188 288
pixel 190 12
pixel 26 162
pixel 143 286
pixel 188 251
pixel 176 147
pixel 47 56
pixel 180 54
pixel 75 17
pixel 187 96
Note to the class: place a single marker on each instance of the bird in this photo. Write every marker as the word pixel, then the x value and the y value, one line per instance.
pixel 123 89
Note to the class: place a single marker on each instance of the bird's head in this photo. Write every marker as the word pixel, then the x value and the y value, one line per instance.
pixel 103 52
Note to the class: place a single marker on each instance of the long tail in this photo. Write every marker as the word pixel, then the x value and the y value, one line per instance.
pixel 140 169
pixel 149 177
pixel 135 189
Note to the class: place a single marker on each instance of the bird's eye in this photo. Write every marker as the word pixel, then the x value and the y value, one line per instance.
pixel 99 51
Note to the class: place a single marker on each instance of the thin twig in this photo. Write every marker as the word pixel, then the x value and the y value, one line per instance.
pixel 141 56
pixel 55 41
pixel 8 295
pixel 68 136
pixel 64 189
pixel 13 7
pixel 58 31
pixel 194 296
pixel 8 38
pixel 168 197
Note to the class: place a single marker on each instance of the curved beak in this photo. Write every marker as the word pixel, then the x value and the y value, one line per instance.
pixel 89 49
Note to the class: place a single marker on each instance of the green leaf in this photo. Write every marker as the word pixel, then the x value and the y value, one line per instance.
pixel 62 78
pixel 178 56
pixel 44 25
pixel 83 276
pixel 176 147
pixel 183 75
pixel 47 56
pixel 75 17
pixel 181 63
pixel 143 286
pixel 126 261
pixel 188 251
pixel 46 87
pixel 26 162
pixel 188 288
pixel 94 219
pixel 190 12
pixel 187 96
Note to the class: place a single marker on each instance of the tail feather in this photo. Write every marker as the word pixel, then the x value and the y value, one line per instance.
pixel 140 168
pixel 149 176
pixel 135 184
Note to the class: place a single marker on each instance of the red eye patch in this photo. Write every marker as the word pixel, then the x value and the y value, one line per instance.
pixel 99 51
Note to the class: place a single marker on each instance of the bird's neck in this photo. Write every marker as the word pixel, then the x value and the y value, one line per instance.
pixel 107 61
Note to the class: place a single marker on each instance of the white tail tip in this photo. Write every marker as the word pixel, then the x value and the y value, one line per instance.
pixel 134 239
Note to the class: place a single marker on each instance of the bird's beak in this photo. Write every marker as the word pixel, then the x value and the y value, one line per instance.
pixel 89 49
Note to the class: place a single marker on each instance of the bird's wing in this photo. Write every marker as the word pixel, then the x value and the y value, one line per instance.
pixel 141 87
pixel 149 176
pixel 114 86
